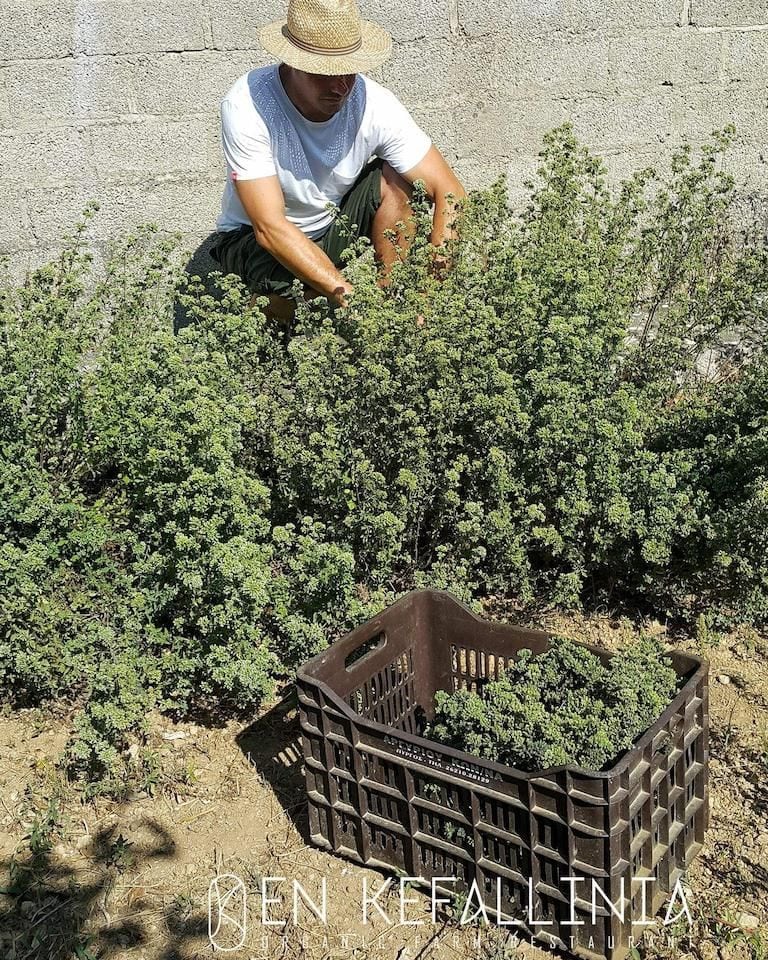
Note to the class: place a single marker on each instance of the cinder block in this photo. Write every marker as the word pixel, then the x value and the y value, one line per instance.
pixel 405 74
pixel 14 265
pixel 188 205
pixel 511 18
pixel 640 120
pixel 669 57
pixel 502 129
pixel 745 55
pixel 140 26
pixel 478 174
pixel 46 158
pixel 521 173
pixel 748 164
pixel 146 147
pixel 528 67
pixel 14 222
pixel 746 107
pixel 410 19
pixel 178 84
pixel 22 262
pixel 734 13
pixel 621 164
pixel 748 111
pixel 472 76
pixel 621 16
pixel 518 68
pixel 82 88
pixel 235 23
pixel 35 29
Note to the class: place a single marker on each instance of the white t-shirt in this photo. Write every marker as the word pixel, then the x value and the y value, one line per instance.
pixel 263 134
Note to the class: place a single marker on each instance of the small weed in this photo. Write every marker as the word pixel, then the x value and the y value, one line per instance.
pixel 182 906
pixel 45 829
pixel 154 775
pixel 753 642
pixel 250 873
pixel 18 879
pixel 706 636
pixel 81 950
pixel 460 903
pixel 120 854
pixel 499 945
pixel 44 798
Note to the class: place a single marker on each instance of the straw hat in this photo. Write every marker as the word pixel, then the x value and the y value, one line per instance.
pixel 327 37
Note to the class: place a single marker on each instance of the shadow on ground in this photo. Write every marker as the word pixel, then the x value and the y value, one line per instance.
pixel 742 871
pixel 272 745
pixel 46 904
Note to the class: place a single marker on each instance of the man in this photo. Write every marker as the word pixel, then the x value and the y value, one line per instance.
pixel 300 135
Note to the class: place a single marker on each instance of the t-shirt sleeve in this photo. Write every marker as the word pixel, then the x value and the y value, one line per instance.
pixel 246 144
pixel 400 140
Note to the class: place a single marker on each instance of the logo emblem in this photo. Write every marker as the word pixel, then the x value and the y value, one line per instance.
pixel 227 912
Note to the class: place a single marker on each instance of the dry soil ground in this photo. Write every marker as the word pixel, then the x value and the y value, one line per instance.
pixel 102 879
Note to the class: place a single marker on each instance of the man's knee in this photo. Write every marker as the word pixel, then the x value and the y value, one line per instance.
pixel 393 184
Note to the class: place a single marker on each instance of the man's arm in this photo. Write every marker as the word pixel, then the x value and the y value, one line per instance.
pixel 265 205
pixel 439 181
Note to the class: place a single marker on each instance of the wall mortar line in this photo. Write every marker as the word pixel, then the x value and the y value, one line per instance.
pixel 747 28
pixel 208 25
pixel 454 23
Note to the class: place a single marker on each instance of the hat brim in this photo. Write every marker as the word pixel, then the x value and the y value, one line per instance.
pixel 376 47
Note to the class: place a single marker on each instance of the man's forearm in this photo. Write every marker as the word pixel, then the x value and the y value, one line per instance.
pixel 305 259
pixel 443 222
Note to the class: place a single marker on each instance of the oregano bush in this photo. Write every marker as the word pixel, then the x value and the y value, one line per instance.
pixel 563 706
pixel 140 564
pixel 580 417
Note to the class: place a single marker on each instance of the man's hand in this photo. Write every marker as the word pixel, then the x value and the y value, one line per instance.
pixel 340 294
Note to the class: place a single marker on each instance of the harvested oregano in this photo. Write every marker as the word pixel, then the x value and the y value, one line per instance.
pixel 562 706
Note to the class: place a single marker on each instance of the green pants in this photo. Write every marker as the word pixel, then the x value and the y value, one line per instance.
pixel 238 252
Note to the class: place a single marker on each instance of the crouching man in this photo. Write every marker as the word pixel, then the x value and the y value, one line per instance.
pixel 313 130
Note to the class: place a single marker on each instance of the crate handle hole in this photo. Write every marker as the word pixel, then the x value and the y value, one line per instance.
pixel 366 648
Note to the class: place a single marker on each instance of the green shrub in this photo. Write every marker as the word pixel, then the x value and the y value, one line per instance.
pixel 530 438
pixel 562 706
pixel 186 517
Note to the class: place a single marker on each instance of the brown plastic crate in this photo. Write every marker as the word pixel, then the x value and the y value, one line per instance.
pixel 384 796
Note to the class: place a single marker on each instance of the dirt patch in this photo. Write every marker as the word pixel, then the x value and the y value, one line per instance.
pixel 104 879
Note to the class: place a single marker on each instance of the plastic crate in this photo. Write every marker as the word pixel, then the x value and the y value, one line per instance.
pixel 384 796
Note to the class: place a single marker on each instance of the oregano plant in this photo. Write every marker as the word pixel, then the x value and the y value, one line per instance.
pixel 573 414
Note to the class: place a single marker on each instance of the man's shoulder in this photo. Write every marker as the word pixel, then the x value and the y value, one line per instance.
pixel 376 91
pixel 382 104
pixel 245 90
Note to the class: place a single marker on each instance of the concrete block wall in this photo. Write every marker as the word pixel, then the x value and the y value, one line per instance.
pixel 117 100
